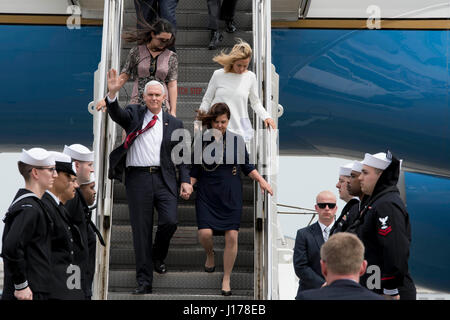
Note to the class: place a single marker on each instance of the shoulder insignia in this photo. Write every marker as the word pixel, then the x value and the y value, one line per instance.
pixel 384 229
pixel 27 205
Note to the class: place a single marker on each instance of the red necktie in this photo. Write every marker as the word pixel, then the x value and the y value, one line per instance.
pixel 134 135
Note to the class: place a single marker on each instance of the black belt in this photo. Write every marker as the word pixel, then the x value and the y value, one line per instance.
pixel 152 169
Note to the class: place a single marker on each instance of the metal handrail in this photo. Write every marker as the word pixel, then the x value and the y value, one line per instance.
pixel 104 139
pixel 266 281
pixel 294 207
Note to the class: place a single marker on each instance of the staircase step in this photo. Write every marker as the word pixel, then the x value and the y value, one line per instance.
pixel 196 55
pixel 124 280
pixel 195 73
pixel 184 257
pixel 200 38
pixel 200 19
pixel 120 195
pixel 194 19
pixel 241 5
pixel 185 235
pixel 187 92
pixel 187 294
pixel 186 215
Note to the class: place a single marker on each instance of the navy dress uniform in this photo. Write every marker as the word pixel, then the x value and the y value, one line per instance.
pixel 348 215
pixel 26 241
pixel 65 240
pixel 385 230
pixel 80 216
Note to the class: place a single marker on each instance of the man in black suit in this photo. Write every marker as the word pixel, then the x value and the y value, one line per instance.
pixel 342 263
pixel 150 176
pixel 310 239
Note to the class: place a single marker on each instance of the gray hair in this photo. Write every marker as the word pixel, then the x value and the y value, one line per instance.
pixel 154 83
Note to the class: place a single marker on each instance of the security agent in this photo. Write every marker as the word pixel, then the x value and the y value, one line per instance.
pixel 80 215
pixel 26 249
pixel 65 236
pixel 384 227
pixel 308 241
pixel 342 263
pixel 352 202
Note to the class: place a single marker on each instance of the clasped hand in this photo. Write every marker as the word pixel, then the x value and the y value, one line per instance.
pixel 186 190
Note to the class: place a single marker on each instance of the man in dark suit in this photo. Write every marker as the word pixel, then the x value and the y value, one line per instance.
pixel 342 263
pixel 310 239
pixel 150 176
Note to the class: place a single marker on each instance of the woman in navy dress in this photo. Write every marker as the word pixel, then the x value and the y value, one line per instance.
pixel 219 187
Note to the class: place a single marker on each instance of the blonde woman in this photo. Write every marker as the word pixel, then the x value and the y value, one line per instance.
pixel 235 85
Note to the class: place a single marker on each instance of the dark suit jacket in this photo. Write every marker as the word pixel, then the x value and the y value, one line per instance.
pixel 339 290
pixel 131 119
pixel 307 257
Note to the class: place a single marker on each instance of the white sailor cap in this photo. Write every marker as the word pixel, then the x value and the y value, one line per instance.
pixel 346 170
pixel 379 160
pixel 37 157
pixel 63 162
pixel 91 179
pixel 79 152
pixel 357 166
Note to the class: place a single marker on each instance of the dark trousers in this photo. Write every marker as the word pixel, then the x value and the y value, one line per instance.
pixel 217 12
pixel 146 191
pixel 151 9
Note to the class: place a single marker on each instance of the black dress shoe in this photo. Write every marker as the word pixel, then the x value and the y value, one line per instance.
pixel 226 293
pixel 143 289
pixel 160 267
pixel 230 27
pixel 216 37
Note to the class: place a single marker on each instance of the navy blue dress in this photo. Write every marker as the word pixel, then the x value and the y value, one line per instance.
pixel 219 187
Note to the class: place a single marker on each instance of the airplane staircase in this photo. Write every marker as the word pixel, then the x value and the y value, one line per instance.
pixel 185 278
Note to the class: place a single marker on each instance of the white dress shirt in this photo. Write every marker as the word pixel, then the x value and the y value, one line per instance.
pixel 54 197
pixel 322 227
pixel 146 148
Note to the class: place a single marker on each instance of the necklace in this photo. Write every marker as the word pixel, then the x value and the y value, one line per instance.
pixel 217 165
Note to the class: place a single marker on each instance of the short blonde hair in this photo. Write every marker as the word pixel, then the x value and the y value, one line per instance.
pixel 240 51
pixel 343 253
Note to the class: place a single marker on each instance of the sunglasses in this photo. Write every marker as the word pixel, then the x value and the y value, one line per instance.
pixel 323 205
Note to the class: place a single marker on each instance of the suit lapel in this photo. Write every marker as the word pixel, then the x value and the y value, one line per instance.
pixel 317 232
pixel 141 117
pixel 165 137
pixel 165 125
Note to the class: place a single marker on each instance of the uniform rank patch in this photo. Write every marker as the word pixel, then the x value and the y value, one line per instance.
pixel 384 228
pixel 27 205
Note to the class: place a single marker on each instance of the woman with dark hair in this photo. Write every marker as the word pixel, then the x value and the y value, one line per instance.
pixel 151 60
pixel 219 187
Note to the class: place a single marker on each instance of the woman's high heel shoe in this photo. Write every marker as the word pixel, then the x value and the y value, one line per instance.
pixel 226 293
pixel 211 269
